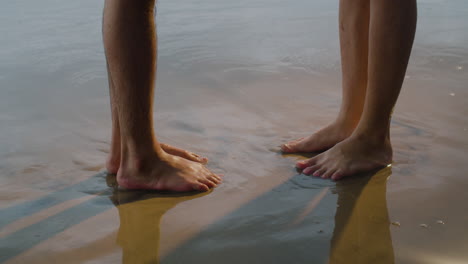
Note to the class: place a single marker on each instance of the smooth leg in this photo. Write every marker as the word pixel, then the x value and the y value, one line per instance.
pixel 131 50
pixel 392 29
pixel 354 38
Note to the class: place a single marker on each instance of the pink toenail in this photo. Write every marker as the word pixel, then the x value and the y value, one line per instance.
pixel 316 174
pixel 306 170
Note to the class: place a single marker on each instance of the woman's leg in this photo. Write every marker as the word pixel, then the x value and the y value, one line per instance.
pixel 391 35
pixel 354 39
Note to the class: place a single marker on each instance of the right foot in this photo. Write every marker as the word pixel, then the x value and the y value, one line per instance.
pixel 113 162
pixel 321 140
pixel 167 173
pixel 183 153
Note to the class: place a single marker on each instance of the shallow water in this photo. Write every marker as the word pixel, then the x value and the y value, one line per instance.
pixel 235 79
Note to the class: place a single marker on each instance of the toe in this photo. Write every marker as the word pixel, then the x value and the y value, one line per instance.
pixel 215 179
pixel 337 175
pixel 214 182
pixel 319 172
pixel 218 177
pixel 287 148
pixel 291 146
pixel 200 187
pixel 311 169
pixel 202 160
pixel 209 183
pixel 306 163
pixel 328 173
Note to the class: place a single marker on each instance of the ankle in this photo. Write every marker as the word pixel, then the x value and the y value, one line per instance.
pixel 142 161
pixel 350 118
pixel 345 126
pixel 113 164
pixel 374 138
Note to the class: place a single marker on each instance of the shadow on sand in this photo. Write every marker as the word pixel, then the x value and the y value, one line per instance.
pixel 256 233
pixel 291 223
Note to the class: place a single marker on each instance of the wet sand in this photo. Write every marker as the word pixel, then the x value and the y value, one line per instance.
pixel 235 80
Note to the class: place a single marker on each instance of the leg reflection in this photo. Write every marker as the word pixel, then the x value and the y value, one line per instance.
pixel 362 233
pixel 140 215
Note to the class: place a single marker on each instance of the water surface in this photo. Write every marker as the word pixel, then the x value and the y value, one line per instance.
pixel 235 80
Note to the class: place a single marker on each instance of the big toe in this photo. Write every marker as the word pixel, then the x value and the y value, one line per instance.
pixel 292 146
pixel 200 187
pixel 286 148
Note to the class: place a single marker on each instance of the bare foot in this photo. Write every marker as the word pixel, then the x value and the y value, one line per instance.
pixel 166 173
pixel 351 156
pixel 113 162
pixel 321 140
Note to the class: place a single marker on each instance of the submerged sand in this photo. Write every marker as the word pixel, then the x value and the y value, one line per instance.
pixel 235 80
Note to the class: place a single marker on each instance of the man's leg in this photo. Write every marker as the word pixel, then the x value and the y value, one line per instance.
pixel 392 29
pixel 130 44
pixel 354 38
pixel 113 161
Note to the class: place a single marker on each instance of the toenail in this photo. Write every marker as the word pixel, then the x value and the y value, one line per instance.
pixel 301 163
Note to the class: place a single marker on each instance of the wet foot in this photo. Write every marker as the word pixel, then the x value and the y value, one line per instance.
pixel 113 162
pixel 321 140
pixel 166 173
pixel 351 156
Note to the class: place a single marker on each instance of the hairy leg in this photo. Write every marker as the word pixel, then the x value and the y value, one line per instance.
pixel 113 161
pixel 131 50
pixel 392 29
pixel 354 38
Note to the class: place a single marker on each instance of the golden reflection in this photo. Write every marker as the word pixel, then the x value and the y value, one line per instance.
pixel 362 225
pixel 140 215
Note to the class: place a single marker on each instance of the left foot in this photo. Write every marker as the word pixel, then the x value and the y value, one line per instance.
pixel 113 162
pixel 351 156
pixel 321 140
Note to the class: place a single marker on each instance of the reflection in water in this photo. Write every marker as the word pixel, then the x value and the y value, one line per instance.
pixel 362 232
pixel 288 224
pixel 140 215
pixel 241 55
pixel 267 230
